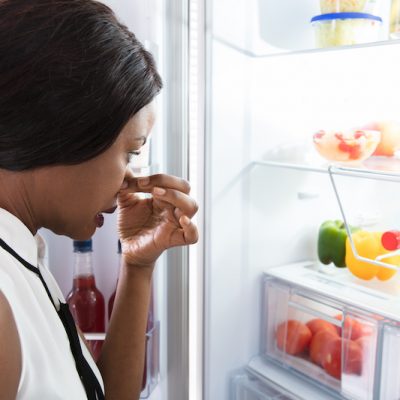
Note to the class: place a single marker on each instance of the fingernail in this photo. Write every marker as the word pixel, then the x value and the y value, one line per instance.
pixel 159 191
pixel 124 185
pixel 185 220
pixel 143 181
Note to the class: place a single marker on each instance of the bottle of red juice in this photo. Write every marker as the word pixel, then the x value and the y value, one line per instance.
pixel 85 300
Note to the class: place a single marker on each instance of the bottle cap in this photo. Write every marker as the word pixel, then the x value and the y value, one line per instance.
pixel 391 240
pixel 83 245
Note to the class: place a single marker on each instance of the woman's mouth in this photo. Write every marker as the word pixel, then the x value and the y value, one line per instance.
pixel 100 218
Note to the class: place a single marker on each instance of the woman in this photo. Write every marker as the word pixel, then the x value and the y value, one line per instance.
pixel 76 102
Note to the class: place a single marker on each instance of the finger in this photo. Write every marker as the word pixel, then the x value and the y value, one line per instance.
pixel 190 231
pixel 176 198
pixel 178 213
pixel 164 181
pixel 146 184
pixel 130 185
pixel 127 198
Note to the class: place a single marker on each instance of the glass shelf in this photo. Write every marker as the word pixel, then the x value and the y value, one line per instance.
pixel 271 51
pixel 387 169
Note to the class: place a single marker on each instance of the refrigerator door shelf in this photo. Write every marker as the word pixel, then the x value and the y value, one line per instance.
pixel 152 361
pixel 94 336
pixel 331 330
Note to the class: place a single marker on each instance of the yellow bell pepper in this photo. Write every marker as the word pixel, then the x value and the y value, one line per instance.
pixel 368 245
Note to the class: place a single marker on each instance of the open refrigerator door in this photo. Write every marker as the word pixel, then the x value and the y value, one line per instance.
pixel 299 134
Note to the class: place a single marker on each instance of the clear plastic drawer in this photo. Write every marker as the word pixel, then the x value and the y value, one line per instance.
pixel 312 327
pixel 390 365
pixel 248 387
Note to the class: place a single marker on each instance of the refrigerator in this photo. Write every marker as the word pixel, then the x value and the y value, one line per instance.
pixel 270 91
pixel 246 88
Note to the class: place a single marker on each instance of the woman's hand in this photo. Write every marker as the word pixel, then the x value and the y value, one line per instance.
pixel 148 226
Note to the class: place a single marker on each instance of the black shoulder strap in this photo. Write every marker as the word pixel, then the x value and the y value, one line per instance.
pixel 85 372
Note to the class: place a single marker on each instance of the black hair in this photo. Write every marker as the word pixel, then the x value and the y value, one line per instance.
pixel 71 77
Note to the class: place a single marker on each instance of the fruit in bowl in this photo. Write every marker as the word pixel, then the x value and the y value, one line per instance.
pixel 347 147
pixel 390 137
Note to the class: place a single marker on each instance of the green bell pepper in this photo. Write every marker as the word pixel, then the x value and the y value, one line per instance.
pixel 332 242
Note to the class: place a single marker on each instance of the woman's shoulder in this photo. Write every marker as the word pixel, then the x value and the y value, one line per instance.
pixel 10 351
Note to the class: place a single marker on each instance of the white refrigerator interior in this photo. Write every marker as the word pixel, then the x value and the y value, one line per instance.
pixel 267 189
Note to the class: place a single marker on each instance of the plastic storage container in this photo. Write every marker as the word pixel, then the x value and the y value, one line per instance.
pixel 340 6
pixel 342 336
pixel 395 19
pixel 341 29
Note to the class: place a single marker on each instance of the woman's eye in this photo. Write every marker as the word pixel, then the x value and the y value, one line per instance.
pixel 131 154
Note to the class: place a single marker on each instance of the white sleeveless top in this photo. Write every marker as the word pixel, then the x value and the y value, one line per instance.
pixel 48 366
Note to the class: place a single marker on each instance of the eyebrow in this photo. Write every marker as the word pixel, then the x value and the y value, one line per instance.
pixel 142 138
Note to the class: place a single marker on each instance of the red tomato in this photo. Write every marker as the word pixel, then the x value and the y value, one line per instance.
pixel 339 317
pixel 318 345
pixel 352 357
pixel 332 362
pixel 317 324
pixel 366 347
pixel 293 336
pixel 332 357
pixel 353 329
pixel 365 330
pixel 364 342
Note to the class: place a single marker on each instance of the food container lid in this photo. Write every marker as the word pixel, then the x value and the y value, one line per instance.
pixel 345 15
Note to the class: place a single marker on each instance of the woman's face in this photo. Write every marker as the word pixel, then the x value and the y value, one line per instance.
pixel 77 195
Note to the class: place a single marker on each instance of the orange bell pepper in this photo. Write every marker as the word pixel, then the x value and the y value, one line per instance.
pixel 368 245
